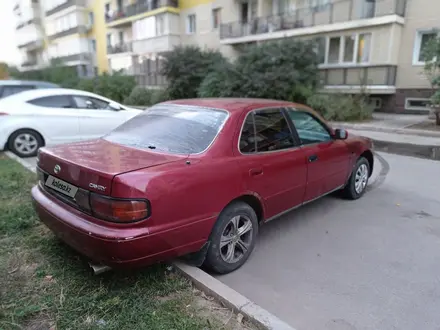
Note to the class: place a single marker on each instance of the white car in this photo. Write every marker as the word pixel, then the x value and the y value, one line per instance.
pixel 43 117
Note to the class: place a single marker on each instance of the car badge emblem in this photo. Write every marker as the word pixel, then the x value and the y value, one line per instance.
pixel 57 169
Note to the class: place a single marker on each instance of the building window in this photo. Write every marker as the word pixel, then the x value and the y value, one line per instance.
pixel 109 40
pixel 319 5
pixel 91 19
pixel 93 45
pixel 422 40
pixel 417 104
pixel 160 25
pixel 191 24
pixel 349 49
pixel 216 18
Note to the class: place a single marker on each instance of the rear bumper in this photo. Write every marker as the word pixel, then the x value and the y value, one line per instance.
pixel 114 247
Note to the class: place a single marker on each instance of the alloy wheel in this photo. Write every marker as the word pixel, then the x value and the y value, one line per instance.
pixel 26 143
pixel 236 239
pixel 361 178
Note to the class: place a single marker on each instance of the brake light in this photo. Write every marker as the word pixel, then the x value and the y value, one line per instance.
pixel 118 210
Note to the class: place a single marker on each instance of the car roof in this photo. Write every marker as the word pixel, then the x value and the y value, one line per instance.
pixel 234 104
pixel 27 82
pixel 35 93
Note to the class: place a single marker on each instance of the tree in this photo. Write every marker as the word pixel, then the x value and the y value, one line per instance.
pixel 4 70
pixel 284 70
pixel 185 68
pixel 431 54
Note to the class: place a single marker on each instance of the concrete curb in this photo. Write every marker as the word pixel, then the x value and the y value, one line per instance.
pixel 405 131
pixel 213 287
pixel 231 298
pixel 21 161
pixel 407 149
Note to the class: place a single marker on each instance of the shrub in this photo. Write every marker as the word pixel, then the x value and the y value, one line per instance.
pixel 342 107
pixel 223 81
pixel 160 95
pixel 139 96
pixel 116 86
pixel 87 85
pixel 186 67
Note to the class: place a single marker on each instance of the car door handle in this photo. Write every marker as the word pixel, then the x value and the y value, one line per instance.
pixel 255 171
pixel 313 158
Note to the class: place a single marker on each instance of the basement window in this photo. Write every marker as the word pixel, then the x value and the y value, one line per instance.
pixel 418 104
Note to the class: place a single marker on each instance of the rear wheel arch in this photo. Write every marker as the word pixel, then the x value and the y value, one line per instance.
pixel 368 155
pixel 254 202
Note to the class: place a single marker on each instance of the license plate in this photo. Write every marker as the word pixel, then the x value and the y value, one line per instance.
pixel 61 186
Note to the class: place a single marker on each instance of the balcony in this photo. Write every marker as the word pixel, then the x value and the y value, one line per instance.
pixel 28 63
pixel 81 57
pixel 380 79
pixel 66 4
pixel 120 48
pixel 336 12
pixel 123 15
pixel 32 45
pixel 81 29
pixel 158 44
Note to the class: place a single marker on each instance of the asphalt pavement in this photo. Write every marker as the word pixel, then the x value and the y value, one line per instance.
pixel 345 265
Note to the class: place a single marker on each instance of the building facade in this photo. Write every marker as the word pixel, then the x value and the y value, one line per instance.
pixel 364 45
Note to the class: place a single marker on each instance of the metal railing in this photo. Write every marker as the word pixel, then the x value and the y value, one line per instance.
pixel 82 29
pixel 335 12
pixel 374 75
pixel 139 8
pixel 120 48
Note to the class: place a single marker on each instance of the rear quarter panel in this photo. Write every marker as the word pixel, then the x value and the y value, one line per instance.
pixel 181 194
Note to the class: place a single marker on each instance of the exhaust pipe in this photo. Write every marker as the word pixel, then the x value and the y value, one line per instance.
pixel 98 269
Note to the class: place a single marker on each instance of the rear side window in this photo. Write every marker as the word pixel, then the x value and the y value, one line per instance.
pixel 57 101
pixel 247 138
pixel 178 129
pixel 11 90
pixel 272 131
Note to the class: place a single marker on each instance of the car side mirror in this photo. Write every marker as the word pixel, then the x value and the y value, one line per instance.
pixel 115 106
pixel 340 134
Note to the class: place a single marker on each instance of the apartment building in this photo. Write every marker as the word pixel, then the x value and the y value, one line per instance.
pixel 364 45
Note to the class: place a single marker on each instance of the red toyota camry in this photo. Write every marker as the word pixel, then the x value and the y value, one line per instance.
pixel 194 177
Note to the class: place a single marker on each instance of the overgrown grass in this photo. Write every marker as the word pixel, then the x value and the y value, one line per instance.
pixel 46 285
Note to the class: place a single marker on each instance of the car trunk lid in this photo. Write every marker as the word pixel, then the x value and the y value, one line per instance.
pixel 92 165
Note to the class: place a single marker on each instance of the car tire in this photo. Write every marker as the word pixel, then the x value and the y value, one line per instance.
pixel 229 249
pixel 25 143
pixel 358 181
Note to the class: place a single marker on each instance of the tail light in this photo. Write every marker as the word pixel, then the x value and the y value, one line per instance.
pixel 119 210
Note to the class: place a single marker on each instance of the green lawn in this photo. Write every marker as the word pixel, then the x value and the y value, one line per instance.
pixel 46 285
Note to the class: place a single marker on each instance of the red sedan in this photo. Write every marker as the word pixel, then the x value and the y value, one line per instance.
pixel 194 177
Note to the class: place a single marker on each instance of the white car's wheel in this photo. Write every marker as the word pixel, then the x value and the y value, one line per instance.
pixel 25 143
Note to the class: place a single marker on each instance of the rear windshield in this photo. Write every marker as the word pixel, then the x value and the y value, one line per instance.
pixel 170 128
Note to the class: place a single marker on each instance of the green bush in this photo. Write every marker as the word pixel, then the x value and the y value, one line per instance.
pixel 342 107
pixel 139 96
pixel 186 67
pixel 159 95
pixel 285 70
pixel 115 87
pixel 87 85
pixel 223 81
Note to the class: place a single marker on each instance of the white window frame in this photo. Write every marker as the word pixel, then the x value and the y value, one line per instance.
pixel 353 61
pixel 188 24
pixel 409 99
pixel 418 45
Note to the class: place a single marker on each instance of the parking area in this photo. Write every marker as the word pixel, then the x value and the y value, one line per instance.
pixel 343 265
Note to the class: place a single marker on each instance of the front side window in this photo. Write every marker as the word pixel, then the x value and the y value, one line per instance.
pixel 309 129
pixel 272 131
pixel 177 129
pixel 57 101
